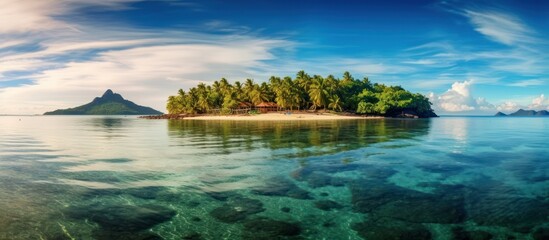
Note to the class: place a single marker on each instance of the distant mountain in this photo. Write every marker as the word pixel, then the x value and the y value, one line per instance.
pixel 525 113
pixel 108 104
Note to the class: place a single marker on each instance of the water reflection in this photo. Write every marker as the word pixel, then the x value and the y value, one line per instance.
pixel 303 138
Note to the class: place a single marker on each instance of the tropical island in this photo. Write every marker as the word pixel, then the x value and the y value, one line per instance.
pixel 109 104
pixel 303 94
pixel 524 113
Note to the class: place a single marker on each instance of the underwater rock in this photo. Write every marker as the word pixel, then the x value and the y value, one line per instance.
pixel 425 209
pixel 303 172
pixel 317 179
pixel 323 194
pixel 282 187
pixel 377 172
pixel 266 228
pixel 446 169
pixel 388 200
pixel 391 231
pixel 285 209
pixel 237 209
pixel 123 221
pixel 541 234
pixel 327 205
pixel 192 203
pixel 196 219
pixel 517 213
pixel 329 224
pixel 107 235
pixel 148 193
pixel 152 192
pixel 222 196
pixel 461 234
pixel 193 236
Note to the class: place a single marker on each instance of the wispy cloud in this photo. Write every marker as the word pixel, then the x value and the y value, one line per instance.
pixel 501 27
pixel 158 70
pixel 66 64
pixel 527 83
pixel 40 16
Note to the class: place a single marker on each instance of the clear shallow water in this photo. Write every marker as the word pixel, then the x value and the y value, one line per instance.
pixel 127 178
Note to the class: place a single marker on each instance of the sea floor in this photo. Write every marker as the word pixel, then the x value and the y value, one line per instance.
pixel 365 179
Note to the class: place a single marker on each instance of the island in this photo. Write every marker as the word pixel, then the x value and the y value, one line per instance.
pixel 525 113
pixel 302 95
pixel 109 104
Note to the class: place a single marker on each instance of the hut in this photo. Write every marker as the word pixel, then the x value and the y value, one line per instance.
pixel 266 107
pixel 242 108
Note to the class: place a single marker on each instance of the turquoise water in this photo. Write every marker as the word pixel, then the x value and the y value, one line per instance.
pixel 73 177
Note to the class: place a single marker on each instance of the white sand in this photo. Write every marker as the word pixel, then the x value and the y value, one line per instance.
pixel 280 117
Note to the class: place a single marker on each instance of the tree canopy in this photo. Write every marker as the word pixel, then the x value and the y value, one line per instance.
pixel 303 92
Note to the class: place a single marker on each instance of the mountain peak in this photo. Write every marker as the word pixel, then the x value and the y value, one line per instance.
pixel 525 113
pixel 108 93
pixel 109 104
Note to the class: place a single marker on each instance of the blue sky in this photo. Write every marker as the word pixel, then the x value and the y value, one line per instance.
pixel 469 57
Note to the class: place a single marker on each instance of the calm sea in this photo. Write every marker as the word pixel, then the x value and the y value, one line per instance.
pixel 81 177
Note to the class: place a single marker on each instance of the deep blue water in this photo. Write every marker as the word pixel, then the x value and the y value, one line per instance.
pixel 64 177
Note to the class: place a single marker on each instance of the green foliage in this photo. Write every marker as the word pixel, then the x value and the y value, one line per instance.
pixel 366 108
pixel 303 92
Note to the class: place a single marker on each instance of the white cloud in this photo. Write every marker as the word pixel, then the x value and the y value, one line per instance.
pixel 71 63
pixel 22 16
pixel 508 107
pixel 539 103
pixel 459 99
pixel 501 27
pixel 144 74
pixel 526 83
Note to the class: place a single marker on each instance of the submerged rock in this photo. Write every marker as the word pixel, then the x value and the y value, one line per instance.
pixel 222 196
pixel 107 235
pixel 124 217
pixel 493 203
pixel 193 236
pixel 123 221
pixel 541 234
pixel 391 231
pixel 327 205
pixel 388 200
pixel 153 192
pixel 237 209
pixel 282 187
pixel 285 209
pixel 446 169
pixel 266 228
pixel 461 234
pixel 317 179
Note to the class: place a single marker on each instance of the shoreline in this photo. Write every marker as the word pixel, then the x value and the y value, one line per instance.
pixel 267 117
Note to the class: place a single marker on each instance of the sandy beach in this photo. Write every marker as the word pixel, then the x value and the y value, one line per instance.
pixel 280 117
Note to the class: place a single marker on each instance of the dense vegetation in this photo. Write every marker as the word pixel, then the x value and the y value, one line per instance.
pixel 303 92
pixel 108 104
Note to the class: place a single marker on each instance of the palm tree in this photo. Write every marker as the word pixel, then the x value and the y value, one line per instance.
pixel 203 98
pixel 318 92
pixel 172 105
pixel 248 88
pixel 239 91
pixel 335 103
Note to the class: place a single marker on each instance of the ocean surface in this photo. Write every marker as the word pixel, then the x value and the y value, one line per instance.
pixel 99 177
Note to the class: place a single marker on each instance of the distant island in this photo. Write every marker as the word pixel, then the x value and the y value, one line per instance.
pixel 304 93
pixel 525 113
pixel 109 104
